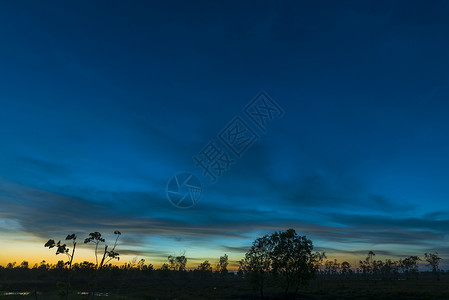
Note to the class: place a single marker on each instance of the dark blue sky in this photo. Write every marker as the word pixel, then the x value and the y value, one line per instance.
pixel 102 102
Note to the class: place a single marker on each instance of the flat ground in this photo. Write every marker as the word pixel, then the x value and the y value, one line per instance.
pixel 157 285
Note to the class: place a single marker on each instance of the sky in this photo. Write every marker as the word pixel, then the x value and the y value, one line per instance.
pixel 103 102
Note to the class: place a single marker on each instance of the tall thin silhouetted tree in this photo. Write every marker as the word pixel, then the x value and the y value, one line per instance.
pixel 63 249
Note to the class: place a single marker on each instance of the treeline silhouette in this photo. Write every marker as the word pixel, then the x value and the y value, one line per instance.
pixel 403 268
pixel 283 262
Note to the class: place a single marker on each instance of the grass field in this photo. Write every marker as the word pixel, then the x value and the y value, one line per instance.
pixel 188 285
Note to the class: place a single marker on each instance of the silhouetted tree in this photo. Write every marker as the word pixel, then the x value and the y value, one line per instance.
pixel 409 265
pixel 285 255
pixel 147 268
pixel 366 266
pixel 24 265
pixel 389 269
pixel 345 267
pixel 108 255
pixel 177 263
pixel 60 265
pixel 433 261
pixel 96 239
pixel 292 258
pixel 165 267
pixel 256 264
pixel 141 264
pixel 44 266
pixel 85 267
pixel 222 266
pixel 204 267
pixel 62 249
pixel 331 267
pixel 377 266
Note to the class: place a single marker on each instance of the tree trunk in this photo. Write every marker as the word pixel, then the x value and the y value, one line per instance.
pixel 68 272
pixel 297 288
pixel 288 281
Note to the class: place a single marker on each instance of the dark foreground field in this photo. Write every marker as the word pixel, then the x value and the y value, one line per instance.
pixel 191 285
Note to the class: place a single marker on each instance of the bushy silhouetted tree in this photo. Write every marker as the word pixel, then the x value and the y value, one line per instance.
pixel 433 261
pixel 345 268
pixel 331 267
pixel 177 263
pixel 284 255
pixel 222 266
pixel 256 264
pixel 409 265
pixel 24 265
pixel 293 259
pixel 205 266
pixel 165 267
pixel 204 269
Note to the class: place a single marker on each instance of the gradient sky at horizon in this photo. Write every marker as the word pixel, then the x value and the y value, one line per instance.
pixel 103 101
